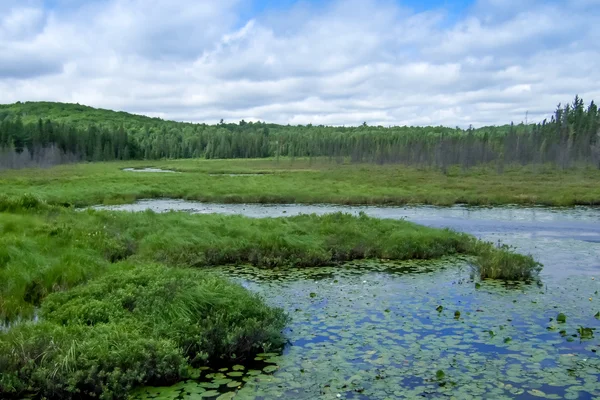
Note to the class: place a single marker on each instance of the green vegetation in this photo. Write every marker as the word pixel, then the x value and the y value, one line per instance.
pixel 300 182
pixel 97 303
pixel 123 300
pixel 135 325
pixel 34 133
pixel 56 249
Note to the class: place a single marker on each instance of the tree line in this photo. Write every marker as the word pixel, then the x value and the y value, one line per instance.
pixel 40 134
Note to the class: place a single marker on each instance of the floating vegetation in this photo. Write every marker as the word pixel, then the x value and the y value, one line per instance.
pixel 344 342
pixel 586 333
pixel 346 346
pixel 561 318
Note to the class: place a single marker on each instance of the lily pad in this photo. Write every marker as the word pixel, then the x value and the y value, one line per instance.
pixel 210 393
pixel 270 369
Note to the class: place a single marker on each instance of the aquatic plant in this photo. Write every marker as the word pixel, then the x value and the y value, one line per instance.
pixel 501 262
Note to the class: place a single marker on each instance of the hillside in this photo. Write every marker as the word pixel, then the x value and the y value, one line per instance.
pixel 72 132
pixel 77 114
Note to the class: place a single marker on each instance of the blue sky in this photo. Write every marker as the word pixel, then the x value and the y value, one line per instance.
pixel 338 62
pixel 456 5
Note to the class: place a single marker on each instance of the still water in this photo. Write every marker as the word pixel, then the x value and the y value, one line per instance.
pixel 426 329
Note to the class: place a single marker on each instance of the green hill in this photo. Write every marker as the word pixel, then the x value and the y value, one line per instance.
pixel 87 133
pixel 77 114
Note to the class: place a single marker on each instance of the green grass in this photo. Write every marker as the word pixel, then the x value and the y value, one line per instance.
pixel 56 249
pixel 133 326
pixel 301 181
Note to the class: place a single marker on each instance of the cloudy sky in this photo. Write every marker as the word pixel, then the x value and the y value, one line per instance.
pixel 335 62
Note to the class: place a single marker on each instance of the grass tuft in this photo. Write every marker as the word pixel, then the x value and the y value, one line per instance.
pixel 55 250
pixel 135 325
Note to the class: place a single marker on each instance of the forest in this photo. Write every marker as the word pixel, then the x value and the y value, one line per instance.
pixel 45 134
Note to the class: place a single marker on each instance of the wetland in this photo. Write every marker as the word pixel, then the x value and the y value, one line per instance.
pixel 196 285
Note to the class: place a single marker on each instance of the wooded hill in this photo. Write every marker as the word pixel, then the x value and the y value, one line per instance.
pixel 44 133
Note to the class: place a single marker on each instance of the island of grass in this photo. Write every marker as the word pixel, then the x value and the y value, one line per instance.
pixel 122 299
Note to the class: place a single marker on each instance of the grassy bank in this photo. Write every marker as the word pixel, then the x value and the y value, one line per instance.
pixel 302 181
pixel 55 249
pixel 135 325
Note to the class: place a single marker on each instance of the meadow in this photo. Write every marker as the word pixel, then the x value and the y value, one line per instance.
pixel 302 181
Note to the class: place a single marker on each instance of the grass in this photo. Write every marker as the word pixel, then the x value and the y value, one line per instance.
pixel 135 325
pixel 302 181
pixel 56 249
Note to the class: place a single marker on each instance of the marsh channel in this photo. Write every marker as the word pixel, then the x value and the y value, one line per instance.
pixel 423 329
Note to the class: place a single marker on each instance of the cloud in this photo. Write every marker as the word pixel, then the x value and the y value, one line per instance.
pixel 340 62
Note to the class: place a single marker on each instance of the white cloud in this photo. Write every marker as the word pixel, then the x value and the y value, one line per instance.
pixel 345 62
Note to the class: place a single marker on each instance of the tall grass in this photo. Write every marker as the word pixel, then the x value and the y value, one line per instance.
pixel 501 262
pixel 56 249
pixel 135 325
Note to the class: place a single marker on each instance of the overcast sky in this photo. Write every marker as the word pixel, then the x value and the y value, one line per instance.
pixel 339 62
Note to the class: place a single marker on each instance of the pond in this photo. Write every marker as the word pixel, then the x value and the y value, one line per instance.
pixel 156 170
pixel 243 174
pixel 373 330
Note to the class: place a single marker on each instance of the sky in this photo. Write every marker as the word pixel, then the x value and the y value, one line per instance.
pixel 331 62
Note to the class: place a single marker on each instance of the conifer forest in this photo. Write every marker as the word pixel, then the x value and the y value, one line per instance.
pixel 44 134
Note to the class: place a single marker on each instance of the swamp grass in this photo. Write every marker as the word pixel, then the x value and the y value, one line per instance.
pixel 54 249
pixel 135 325
pixel 301 181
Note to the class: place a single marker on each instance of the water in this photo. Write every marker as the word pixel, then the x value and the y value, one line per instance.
pixel 248 174
pixel 565 240
pixel 156 170
pixel 377 331
pixel 425 329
